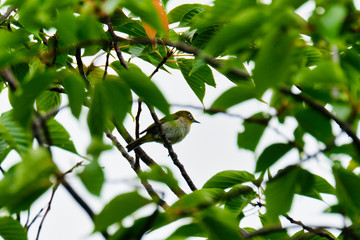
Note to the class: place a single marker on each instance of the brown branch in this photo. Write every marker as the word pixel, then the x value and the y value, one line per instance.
pixel 6 14
pixel 172 154
pixel 107 61
pixel 322 110
pixel 137 170
pixel 318 231
pixel 10 78
pixel 145 158
pixel 163 61
pixel 47 209
pixel 81 65
pixel 188 49
pixel 115 41
pixel 137 131
pixel 57 89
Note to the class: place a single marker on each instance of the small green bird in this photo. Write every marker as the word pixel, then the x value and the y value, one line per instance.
pixel 174 129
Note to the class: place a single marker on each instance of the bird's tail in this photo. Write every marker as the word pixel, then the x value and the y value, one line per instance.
pixel 136 143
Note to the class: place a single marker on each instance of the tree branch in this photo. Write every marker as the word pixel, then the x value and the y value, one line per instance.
pixel 172 154
pixel 322 110
pixel 115 41
pixel 318 231
pixel 138 171
pixel 145 158
pixel 81 66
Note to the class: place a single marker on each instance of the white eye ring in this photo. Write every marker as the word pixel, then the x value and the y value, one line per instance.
pixel 190 116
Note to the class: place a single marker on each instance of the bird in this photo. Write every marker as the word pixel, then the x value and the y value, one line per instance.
pixel 175 128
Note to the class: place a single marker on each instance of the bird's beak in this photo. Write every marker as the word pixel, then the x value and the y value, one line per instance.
pixel 195 121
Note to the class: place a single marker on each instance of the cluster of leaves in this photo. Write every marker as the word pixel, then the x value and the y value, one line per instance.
pixel 305 65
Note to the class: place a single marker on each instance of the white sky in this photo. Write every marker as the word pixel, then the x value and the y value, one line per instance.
pixel 209 148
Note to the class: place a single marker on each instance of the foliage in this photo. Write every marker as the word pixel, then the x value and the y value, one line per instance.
pixel 310 68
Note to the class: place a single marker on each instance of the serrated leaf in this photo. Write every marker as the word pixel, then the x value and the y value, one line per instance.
pixel 271 154
pixel 315 123
pixel 31 89
pixel 332 20
pixel 250 137
pixel 142 86
pixel 220 224
pixel 47 101
pixel 4 148
pixel 98 111
pixel 13 134
pixel 234 96
pixel 26 181
pixel 239 197
pixel 118 96
pixel 229 178
pixel 176 14
pixel 10 229
pixel 346 185
pixel 93 178
pixel 280 191
pixel 115 211
pixel 195 80
pixel 59 136
pixel 75 89
pixel 198 198
pixel 145 10
pixel 183 232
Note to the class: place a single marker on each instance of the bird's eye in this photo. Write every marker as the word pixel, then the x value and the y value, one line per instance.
pixel 190 116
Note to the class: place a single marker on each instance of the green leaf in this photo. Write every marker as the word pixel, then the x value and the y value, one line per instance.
pixel 142 86
pixel 229 178
pixel 267 72
pixel 195 80
pixel 47 101
pixel 26 181
pixel 12 39
pixel 98 111
pixel 24 100
pixel 4 148
pixel 75 88
pixel 271 154
pixel 280 191
pixel 346 185
pixel 197 199
pixel 59 136
pixel 119 208
pixel 13 134
pixel 178 13
pixel 315 123
pixel 185 231
pixel 118 96
pixel 66 25
pixel 158 174
pixel 332 20
pixel 134 29
pixel 146 11
pixel 220 224
pixel 10 229
pixel 250 137
pixel 239 197
pixel 238 31
pixel 233 96
pixel 93 178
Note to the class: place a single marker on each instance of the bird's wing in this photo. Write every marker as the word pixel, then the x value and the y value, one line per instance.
pixel 152 128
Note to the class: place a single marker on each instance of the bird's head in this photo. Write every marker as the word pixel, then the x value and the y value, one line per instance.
pixel 186 115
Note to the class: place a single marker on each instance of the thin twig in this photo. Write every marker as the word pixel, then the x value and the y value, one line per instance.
pixel 115 41
pixel 322 110
pixel 145 158
pixel 172 154
pixel 107 61
pixel 47 209
pixel 137 131
pixel 137 170
pixel 10 78
pixel 81 66
pixel 318 231
pixel 163 61
pixel 7 14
